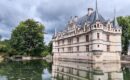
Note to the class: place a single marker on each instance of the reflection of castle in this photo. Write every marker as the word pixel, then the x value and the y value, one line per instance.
pixel 82 71
pixel 90 37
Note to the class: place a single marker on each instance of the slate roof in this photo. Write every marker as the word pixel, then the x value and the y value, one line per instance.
pixel 115 23
pixel 90 19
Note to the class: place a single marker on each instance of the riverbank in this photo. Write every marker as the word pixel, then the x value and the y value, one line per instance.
pixel 27 58
pixel 124 59
pixel 1 58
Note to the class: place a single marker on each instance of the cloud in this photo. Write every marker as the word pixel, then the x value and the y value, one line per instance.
pixel 53 13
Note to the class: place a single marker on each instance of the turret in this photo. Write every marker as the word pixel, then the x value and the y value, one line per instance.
pixel 115 23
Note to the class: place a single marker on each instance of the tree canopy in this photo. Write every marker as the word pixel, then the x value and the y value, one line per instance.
pixel 125 23
pixel 28 38
pixel 0 37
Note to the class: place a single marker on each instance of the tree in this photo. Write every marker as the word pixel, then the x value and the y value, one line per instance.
pixel 0 37
pixel 28 38
pixel 125 23
pixel 50 47
pixel 47 49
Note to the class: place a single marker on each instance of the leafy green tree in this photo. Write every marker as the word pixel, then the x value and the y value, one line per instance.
pixel 0 37
pixel 28 38
pixel 125 23
pixel 50 47
pixel 47 49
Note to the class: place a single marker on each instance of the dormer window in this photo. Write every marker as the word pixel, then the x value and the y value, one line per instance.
pixel 109 26
pixel 94 26
pixel 98 25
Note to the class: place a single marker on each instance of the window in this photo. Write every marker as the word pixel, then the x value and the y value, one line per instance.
pixel 63 42
pixel 94 26
pixel 69 41
pixel 98 36
pixel 77 39
pixel 87 38
pixel 63 49
pixel 108 48
pixel 98 46
pixel 58 43
pixel 108 26
pixel 70 49
pixel 98 25
pixel 87 48
pixel 108 37
pixel 77 48
pixel 58 49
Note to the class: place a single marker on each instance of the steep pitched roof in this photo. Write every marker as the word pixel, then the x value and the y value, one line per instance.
pixel 115 23
pixel 90 19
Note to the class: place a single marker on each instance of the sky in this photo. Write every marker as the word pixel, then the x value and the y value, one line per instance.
pixel 54 13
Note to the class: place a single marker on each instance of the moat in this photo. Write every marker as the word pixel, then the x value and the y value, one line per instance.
pixel 61 70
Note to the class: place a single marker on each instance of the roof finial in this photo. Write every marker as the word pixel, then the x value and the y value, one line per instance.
pixel 55 31
pixel 115 20
pixel 96 10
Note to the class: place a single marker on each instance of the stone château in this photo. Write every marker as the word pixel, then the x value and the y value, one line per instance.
pixel 90 37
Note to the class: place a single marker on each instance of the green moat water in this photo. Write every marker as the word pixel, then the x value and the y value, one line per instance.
pixel 59 70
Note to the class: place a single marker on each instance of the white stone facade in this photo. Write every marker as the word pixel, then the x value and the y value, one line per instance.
pixel 97 39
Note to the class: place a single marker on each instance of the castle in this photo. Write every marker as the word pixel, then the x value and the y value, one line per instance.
pixel 90 38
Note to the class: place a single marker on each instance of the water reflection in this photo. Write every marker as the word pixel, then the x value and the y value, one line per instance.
pixel 25 70
pixel 60 70
pixel 85 71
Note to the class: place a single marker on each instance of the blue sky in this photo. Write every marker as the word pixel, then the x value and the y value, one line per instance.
pixel 54 13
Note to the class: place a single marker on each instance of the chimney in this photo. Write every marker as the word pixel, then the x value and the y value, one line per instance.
pixel 90 11
pixel 76 18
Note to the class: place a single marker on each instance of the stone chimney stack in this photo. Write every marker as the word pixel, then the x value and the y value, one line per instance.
pixel 76 18
pixel 90 11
